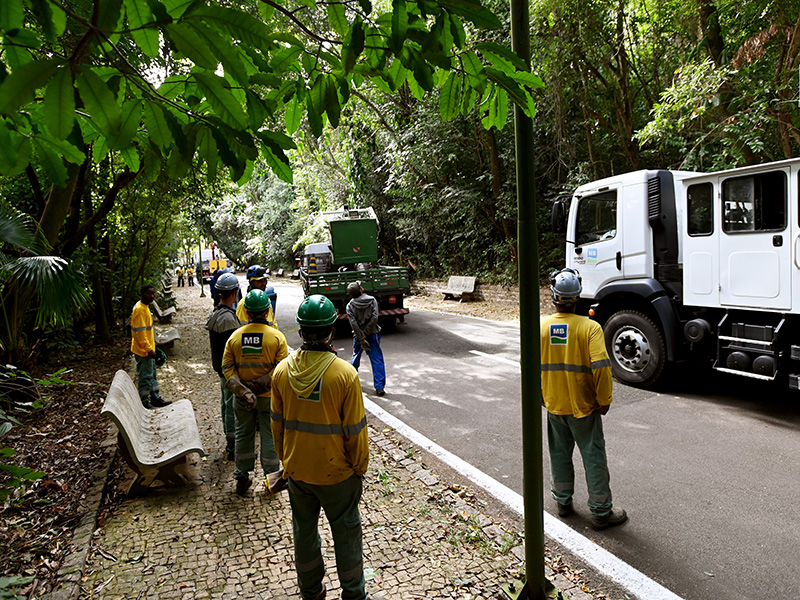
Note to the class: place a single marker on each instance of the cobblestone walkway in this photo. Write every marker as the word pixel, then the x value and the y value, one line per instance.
pixel 422 539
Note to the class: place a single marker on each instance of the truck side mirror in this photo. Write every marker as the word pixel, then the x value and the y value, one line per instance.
pixel 559 217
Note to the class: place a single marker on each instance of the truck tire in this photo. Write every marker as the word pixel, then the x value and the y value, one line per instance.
pixel 636 348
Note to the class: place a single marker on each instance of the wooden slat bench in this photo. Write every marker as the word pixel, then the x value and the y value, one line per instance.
pixel 167 339
pixel 152 442
pixel 163 315
pixel 461 287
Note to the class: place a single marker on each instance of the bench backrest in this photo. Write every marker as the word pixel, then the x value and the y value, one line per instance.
pixel 156 308
pixel 153 439
pixel 461 284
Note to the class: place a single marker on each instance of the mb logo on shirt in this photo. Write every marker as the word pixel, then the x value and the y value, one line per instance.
pixel 558 334
pixel 251 343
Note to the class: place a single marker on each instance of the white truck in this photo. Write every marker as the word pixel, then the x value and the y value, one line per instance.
pixel 681 266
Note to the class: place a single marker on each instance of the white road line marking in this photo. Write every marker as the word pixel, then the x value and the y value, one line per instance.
pixel 617 570
pixel 496 358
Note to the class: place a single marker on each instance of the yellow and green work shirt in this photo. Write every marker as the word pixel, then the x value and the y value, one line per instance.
pixel 318 420
pixel 143 339
pixel 241 314
pixel 253 350
pixel 576 370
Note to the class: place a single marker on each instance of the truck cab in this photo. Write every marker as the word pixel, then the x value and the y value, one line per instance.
pixel 680 266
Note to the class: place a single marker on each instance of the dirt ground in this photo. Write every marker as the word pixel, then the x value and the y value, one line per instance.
pixel 496 311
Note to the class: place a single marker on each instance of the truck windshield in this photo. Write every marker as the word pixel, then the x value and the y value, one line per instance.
pixel 597 218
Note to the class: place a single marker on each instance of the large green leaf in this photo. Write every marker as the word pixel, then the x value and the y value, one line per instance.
pixel 176 8
pixel 314 117
pixel 473 67
pixel 237 23
pixel 20 87
pixel 61 147
pixel 231 57
pixel 353 45
pixel 15 152
pixel 207 150
pixel 506 56
pixel 457 31
pixel 221 100
pixel 518 94
pixel 293 115
pixel 109 15
pixel 11 15
pixel 337 18
pixel 43 11
pixel 422 71
pixel 139 15
pixel 285 59
pixel 279 164
pixel 157 126
pixel 473 12
pixel 100 102
pixel 399 24
pixel 59 104
pixel 52 162
pixel 191 45
pixel 332 105
pixel 131 158
pixel 450 96
pixel 131 118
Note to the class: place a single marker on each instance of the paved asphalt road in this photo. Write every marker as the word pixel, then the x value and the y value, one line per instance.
pixel 708 467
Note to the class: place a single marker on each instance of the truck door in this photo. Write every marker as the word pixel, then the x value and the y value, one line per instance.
pixel 755 244
pixel 597 253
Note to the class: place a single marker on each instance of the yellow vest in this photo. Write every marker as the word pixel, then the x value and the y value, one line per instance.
pixel 253 350
pixel 143 339
pixel 323 439
pixel 241 314
pixel 576 370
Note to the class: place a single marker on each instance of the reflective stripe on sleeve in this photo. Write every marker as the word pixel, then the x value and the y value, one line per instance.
pixel 258 365
pixel 148 328
pixel 276 416
pixel 599 364
pixel 566 367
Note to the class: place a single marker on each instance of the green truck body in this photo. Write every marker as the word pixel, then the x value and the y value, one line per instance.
pixel 352 256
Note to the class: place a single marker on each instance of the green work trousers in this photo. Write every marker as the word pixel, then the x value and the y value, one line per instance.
pixel 228 418
pixel 146 378
pixel 246 421
pixel 563 433
pixel 340 503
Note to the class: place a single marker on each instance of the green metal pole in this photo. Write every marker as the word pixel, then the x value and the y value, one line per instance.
pixel 528 258
pixel 199 272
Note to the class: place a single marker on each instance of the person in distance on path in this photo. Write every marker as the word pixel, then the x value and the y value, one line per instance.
pixel 363 312
pixel 143 346
pixel 576 391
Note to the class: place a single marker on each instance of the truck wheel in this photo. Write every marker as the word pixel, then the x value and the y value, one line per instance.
pixel 636 348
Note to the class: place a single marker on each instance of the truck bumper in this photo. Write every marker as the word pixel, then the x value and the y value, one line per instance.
pixel 390 312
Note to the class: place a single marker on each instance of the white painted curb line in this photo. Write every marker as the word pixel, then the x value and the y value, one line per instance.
pixel 615 569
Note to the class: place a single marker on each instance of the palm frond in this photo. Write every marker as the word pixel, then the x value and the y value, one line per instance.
pixel 17 229
pixel 54 282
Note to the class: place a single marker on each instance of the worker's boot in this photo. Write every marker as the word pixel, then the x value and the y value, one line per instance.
pixel 242 484
pixel 612 519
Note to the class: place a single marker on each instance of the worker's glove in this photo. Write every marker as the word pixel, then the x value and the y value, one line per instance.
pixel 259 386
pixel 365 345
pixel 241 391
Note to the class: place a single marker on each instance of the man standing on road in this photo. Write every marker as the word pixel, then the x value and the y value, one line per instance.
pixel 576 391
pixel 362 312
pixel 320 430
pixel 190 276
pixel 222 322
pixel 180 273
pixel 251 354
pixel 143 346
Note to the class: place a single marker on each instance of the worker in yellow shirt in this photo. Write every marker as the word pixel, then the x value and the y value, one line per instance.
pixel 320 431
pixel 251 354
pixel 143 346
pixel 190 276
pixel 180 272
pixel 576 391
pixel 256 280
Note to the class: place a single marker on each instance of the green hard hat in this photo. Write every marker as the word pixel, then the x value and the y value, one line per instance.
pixel 256 301
pixel 317 311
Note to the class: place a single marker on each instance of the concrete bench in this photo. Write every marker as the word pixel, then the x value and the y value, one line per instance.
pixel 461 287
pixel 279 273
pixel 163 315
pixel 167 339
pixel 295 274
pixel 152 442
